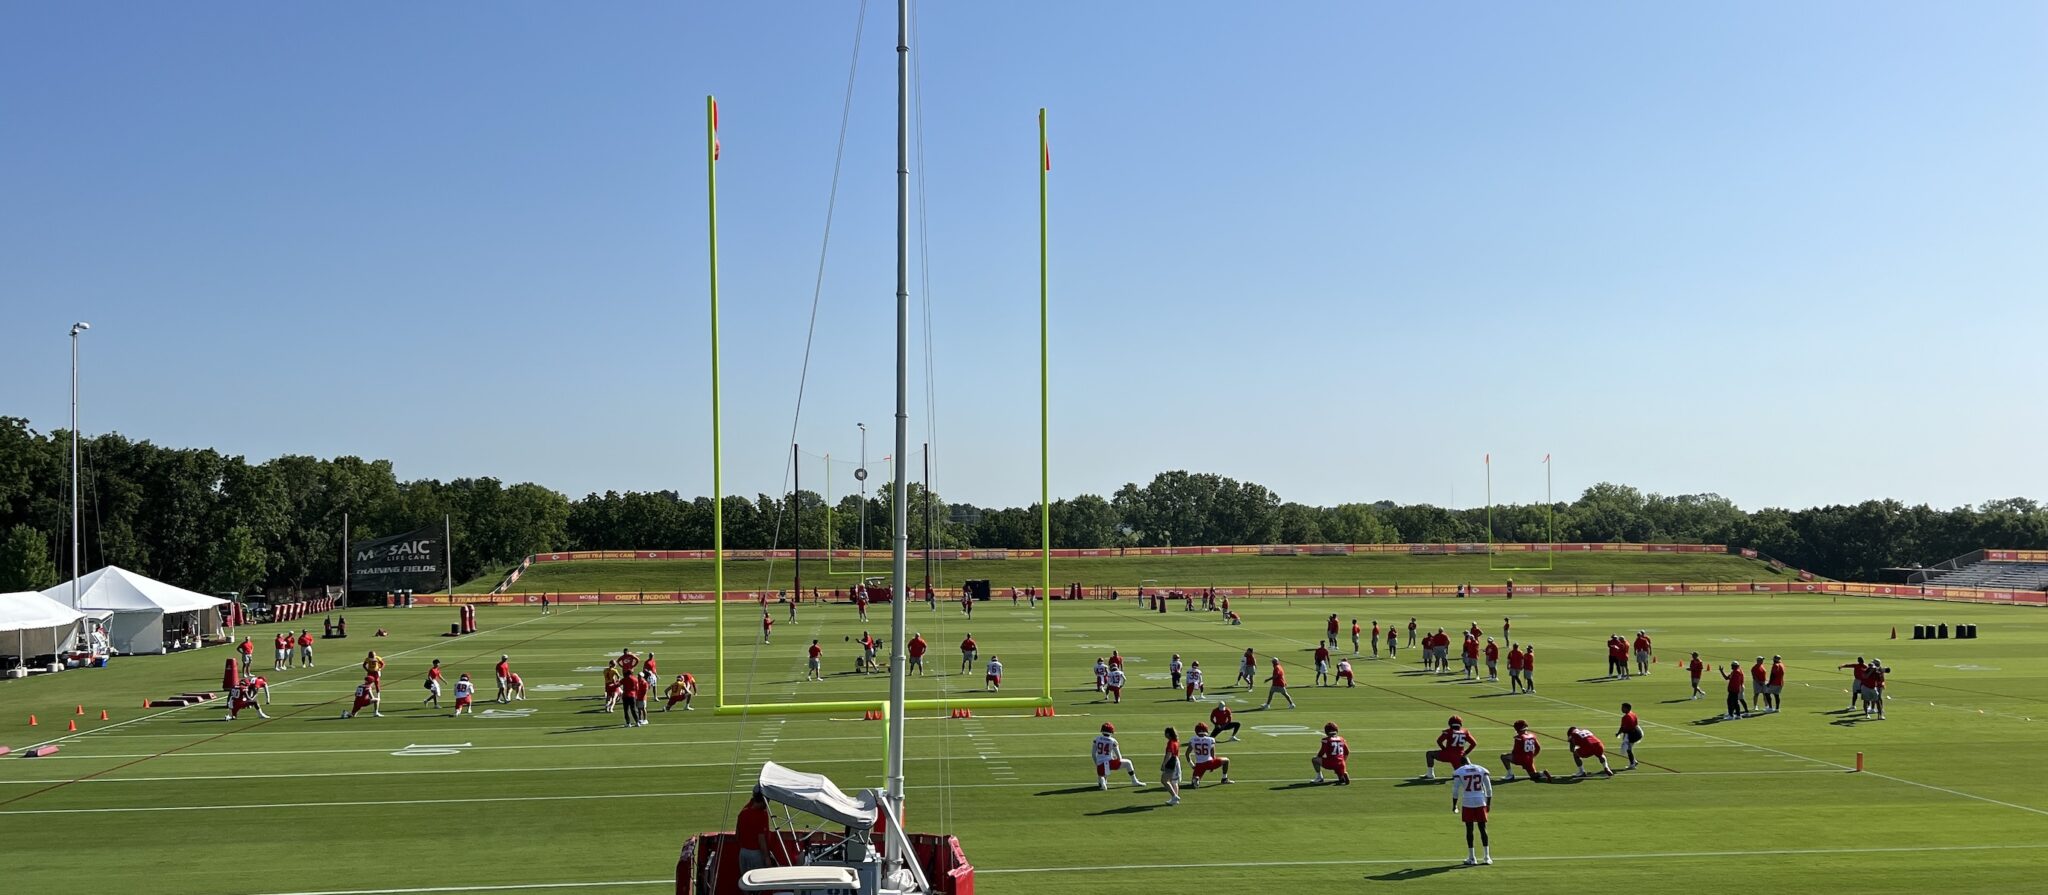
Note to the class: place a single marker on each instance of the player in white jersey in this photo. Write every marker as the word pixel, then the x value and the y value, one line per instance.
pixel 1471 796
pixel 465 692
pixel 1194 685
pixel 1116 685
pixel 1101 674
pixel 1110 757
pixel 994 679
pixel 1202 754
pixel 1174 668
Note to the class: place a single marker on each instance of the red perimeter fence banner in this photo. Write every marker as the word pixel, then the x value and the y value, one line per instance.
pixel 1091 552
pixel 2016 555
pixel 1283 591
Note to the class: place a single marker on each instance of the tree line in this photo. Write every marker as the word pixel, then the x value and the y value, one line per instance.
pixel 216 522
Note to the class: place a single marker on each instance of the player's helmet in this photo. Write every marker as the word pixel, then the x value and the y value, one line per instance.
pixel 1201 727
pixel 1330 727
pixel 1521 725
pixel 1109 728
pixel 1457 721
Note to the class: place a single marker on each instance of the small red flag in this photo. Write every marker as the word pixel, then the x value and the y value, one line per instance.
pixel 714 130
pixel 1489 459
pixel 1044 145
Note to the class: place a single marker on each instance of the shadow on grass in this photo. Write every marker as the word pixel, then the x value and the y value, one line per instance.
pixel 588 728
pixel 1407 873
pixel 1069 791
pixel 1129 809
pixel 1675 701
pixel 1492 695
pixel 1305 784
pixel 1423 781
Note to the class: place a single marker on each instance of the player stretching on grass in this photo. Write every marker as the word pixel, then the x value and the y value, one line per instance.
pixel 1114 685
pixel 993 680
pixel 1522 752
pixel 1202 752
pixel 1279 688
pixel 1110 757
pixel 1344 673
pixel 1471 796
pixel 1451 747
pixel 1195 681
pixel 366 698
pixel 1585 745
pixel 1220 720
pixel 1332 755
pixel 465 696
pixel 682 690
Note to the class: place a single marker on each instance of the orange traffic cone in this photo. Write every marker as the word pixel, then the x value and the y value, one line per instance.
pixel 1895 632
pixel 81 710
pixel 73 726
pixel 31 720
pixel 103 714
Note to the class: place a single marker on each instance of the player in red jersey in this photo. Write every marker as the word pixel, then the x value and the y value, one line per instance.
pixel 1169 764
pixel 1506 623
pixel 517 687
pixel 1469 654
pixel 259 686
pixel 1695 667
pixel 1585 745
pixel 1247 669
pixel 1643 657
pixel 243 696
pixel 767 626
pixel 1774 685
pixel 1110 757
pixel 1323 663
pixel 1514 668
pixel 1629 734
pixel 682 690
pixel 1202 754
pixel 1737 707
pixel 366 698
pixel 433 685
pixel 1529 669
pixel 916 650
pixel 1522 752
pixel 1472 798
pixel 1330 628
pixel 1375 641
pixel 1278 679
pixel 1759 677
pixel 1873 688
pixel 1344 673
pixel 1492 660
pixel 1355 631
pixel 306 647
pixel 1451 747
pixel 969 652
pixel 1411 630
pixel 1332 756
pixel 504 678
pixel 1856 680
pixel 1617 656
pixel 1220 720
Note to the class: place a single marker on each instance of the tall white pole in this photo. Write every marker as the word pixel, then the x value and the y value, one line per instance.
pixel 899 573
pixel 863 479
pixel 346 559
pixel 448 555
pixel 76 328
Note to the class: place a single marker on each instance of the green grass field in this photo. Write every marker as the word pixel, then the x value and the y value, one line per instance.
pixel 616 576
pixel 552 796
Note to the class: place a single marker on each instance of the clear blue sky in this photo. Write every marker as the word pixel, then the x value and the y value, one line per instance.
pixel 1792 253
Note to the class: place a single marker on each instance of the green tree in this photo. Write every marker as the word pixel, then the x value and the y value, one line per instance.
pixel 238 562
pixel 25 561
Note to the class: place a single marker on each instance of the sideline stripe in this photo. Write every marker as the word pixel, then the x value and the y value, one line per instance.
pixel 1361 862
pixel 1437 861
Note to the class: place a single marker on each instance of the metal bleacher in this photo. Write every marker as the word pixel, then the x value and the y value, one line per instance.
pixel 1995 576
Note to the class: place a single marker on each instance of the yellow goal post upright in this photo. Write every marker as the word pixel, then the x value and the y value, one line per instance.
pixel 899 601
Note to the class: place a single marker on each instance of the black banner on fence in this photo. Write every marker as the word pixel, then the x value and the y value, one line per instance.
pixel 416 560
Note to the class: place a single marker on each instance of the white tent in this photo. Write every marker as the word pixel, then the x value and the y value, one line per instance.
pixel 148 615
pixel 34 625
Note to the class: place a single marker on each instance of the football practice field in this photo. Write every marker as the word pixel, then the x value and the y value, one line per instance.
pixel 553 795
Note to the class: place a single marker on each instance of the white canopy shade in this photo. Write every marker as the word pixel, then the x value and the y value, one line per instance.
pixel 813 794
pixel 120 590
pixel 29 611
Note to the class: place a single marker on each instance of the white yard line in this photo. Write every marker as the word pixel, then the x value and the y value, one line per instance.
pixel 1073 783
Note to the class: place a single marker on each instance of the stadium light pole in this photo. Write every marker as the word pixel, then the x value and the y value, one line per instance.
pixel 861 475
pixel 76 328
